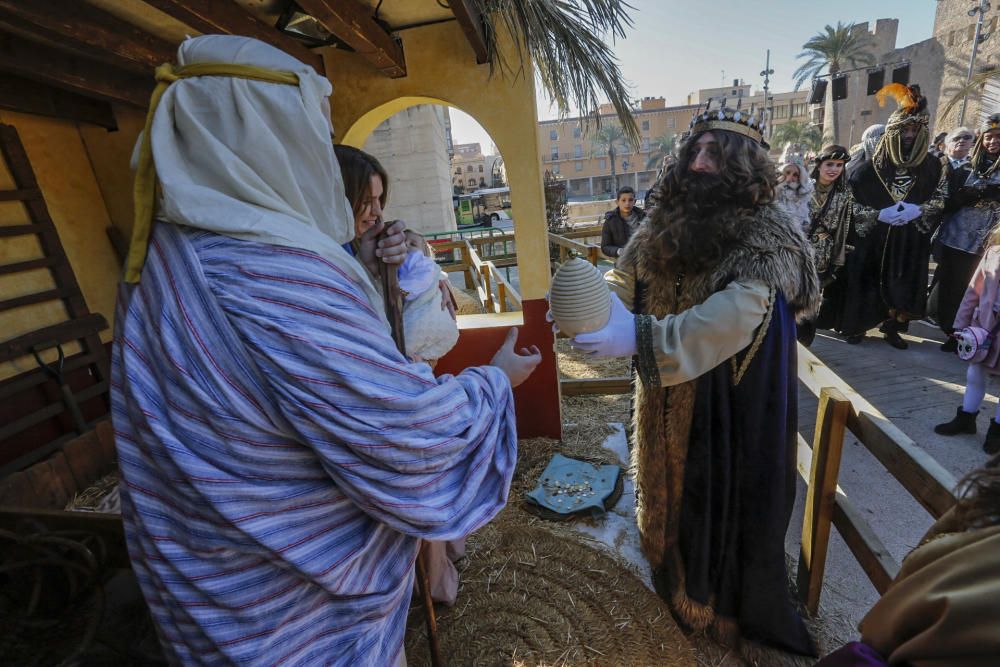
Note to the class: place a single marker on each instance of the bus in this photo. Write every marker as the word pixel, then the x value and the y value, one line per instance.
pixel 485 208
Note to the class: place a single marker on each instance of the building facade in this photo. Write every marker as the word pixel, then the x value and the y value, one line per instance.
pixel 954 31
pixel 571 153
pixel 412 145
pixel 471 170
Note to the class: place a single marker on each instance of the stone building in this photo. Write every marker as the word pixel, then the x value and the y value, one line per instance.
pixel 413 147
pixel 954 31
pixel 471 170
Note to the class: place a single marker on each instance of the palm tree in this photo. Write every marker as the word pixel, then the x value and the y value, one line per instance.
pixel 807 135
pixel 659 148
pixel 564 39
pixel 833 49
pixel 610 140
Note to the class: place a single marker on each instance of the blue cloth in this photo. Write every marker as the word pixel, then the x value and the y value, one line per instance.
pixel 280 459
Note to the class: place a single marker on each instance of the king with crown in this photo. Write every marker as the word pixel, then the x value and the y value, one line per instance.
pixel 706 298
pixel 901 190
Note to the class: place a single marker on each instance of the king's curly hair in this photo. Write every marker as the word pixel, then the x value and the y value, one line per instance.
pixel 698 216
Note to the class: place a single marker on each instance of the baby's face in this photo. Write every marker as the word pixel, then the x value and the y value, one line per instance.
pixel 414 243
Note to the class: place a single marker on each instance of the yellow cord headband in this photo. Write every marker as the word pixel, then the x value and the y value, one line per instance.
pixel 144 186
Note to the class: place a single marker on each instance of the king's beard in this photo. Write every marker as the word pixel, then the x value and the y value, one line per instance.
pixel 696 224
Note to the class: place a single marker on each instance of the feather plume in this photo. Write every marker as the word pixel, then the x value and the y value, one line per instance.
pixel 908 98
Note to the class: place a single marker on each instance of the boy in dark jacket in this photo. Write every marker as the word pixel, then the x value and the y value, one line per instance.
pixel 621 223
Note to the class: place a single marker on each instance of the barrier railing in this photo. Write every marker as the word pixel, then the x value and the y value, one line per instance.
pixel 494 291
pixel 589 251
pixel 841 410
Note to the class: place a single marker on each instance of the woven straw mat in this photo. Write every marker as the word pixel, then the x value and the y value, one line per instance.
pixel 529 598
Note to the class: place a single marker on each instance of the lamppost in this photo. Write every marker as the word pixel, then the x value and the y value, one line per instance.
pixel 766 73
pixel 984 6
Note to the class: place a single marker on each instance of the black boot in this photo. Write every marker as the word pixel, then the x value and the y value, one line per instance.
pixel 992 443
pixel 854 339
pixel 890 329
pixel 950 345
pixel 964 422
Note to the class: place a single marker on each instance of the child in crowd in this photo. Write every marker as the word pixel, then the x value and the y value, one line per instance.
pixel 980 308
pixel 795 190
pixel 429 329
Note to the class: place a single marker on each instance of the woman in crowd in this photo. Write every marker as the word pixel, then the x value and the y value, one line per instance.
pixel 794 190
pixel 845 269
pixel 972 209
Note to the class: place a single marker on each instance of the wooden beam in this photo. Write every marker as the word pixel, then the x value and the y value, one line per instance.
pixel 596 386
pixel 82 27
pixel 228 18
pixel 26 96
pixel 471 19
pixel 353 23
pixel 91 79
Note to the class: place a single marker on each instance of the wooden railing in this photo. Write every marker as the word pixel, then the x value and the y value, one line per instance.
pixel 841 410
pixel 495 292
pixel 589 251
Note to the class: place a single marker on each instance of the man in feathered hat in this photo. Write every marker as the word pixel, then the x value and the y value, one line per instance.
pixel 901 187
pixel 710 290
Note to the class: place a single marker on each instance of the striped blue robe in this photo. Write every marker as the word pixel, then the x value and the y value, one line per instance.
pixel 280 459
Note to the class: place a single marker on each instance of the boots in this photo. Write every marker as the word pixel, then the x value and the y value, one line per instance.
pixel 992 443
pixel 890 329
pixel 965 422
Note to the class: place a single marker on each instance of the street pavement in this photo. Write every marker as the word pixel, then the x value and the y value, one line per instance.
pixel 916 389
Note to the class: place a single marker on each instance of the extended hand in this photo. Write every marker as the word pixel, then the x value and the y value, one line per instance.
pixel 517 365
pixel 616 339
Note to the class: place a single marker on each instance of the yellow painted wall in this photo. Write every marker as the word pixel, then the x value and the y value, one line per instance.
pixel 441 69
pixel 110 154
pixel 62 167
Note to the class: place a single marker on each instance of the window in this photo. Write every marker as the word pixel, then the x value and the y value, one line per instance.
pixel 579 166
pixel 555 153
pixel 781 112
pixel 645 125
pixel 799 109
pixel 468 168
pixel 458 171
pixel 553 135
pixel 555 169
pixel 671 123
pixel 471 181
pixel 577 150
pixel 602 164
pixel 576 133
pixel 480 169
pixel 645 144
pixel 734 92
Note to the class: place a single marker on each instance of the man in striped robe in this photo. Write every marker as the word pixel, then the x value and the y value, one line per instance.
pixel 280 459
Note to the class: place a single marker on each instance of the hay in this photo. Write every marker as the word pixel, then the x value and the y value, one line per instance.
pixel 529 597
pixel 101 496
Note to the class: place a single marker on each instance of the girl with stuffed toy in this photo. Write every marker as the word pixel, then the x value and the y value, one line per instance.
pixel 976 326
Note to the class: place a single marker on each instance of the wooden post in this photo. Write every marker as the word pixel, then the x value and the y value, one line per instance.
pixel 828 443
pixel 484 270
pixel 467 265
pixel 502 295
pixel 593 254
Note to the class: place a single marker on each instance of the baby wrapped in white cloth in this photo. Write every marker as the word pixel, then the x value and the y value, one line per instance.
pixel 430 330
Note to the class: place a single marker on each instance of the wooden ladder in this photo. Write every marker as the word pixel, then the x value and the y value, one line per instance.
pixel 29 435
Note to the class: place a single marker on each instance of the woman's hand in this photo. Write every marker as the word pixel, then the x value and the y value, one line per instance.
pixel 391 249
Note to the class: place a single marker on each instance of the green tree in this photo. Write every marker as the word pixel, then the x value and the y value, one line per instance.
pixel 807 135
pixel 610 140
pixel 659 148
pixel 833 49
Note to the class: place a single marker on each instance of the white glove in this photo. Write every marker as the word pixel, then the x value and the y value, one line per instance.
pixel 890 215
pixel 909 212
pixel 616 339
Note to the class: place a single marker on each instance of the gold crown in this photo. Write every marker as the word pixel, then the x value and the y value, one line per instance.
pixel 992 123
pixel 748 123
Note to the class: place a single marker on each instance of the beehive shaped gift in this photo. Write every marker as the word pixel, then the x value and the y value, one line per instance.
pixel 580 300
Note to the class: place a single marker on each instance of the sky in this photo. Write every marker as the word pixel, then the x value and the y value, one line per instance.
pixel 676 47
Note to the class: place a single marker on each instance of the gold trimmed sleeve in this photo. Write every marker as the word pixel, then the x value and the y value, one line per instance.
pixel 691 343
